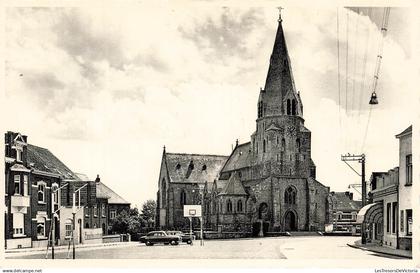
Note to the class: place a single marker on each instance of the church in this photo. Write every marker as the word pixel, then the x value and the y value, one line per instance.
pixel 265 185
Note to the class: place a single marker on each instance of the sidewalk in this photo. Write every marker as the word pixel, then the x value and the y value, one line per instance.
pixel 383 250
pixel 9 253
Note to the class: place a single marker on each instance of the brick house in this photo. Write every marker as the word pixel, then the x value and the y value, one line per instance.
pixel 32 173
pixel 343 211
pixel 267 184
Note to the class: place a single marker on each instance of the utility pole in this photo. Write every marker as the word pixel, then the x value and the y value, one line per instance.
pixel 361 159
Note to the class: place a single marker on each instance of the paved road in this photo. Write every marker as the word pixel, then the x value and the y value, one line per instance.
pixel 317 247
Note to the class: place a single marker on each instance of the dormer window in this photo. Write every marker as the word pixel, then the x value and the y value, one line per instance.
pixel 18 155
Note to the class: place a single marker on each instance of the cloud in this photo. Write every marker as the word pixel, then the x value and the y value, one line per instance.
pixel 105 89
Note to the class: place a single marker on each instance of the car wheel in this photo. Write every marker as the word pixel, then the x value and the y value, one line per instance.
pixel 189 241
pixel 148 243
pixel 173 242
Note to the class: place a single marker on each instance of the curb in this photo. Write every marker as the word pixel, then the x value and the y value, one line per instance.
pixel 381 252
pixel 28 251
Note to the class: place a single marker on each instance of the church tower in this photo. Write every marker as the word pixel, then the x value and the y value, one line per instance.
pixel 281 143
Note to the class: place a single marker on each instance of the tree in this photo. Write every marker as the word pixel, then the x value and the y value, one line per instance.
pixel 148 212
pixel 127 222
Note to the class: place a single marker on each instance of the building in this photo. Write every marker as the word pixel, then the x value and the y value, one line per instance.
pixel 343 212
pixel 405 204
pixel 267 184
pixel 38 183
pixel 390 215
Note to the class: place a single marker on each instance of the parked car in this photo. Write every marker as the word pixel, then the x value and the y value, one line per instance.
pixel 156 237
pixel 185 238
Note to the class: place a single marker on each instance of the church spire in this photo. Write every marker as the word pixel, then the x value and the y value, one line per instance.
pixel 279 84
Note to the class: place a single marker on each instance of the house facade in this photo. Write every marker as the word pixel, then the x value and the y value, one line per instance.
pixel 265 185
pixel 389 216
pixel 343 212
pixel 39 191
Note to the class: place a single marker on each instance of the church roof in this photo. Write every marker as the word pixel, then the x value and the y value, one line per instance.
pixel 279 79
pixel 234 186
pixel 240 158
pixel 194 168
pixel 42 159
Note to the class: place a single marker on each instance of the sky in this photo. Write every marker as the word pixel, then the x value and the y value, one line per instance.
pixel 106 88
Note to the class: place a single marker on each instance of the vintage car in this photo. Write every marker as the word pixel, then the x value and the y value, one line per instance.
pixel 159 237
pixel 185 238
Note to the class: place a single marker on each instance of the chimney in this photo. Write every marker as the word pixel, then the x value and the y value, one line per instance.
pixel 98 179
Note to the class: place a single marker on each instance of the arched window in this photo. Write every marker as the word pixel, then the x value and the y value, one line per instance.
pixel 69 228
pixel 290 195
pixel 264 144
pixel 239 206
pixel 283 144
pixel 221 207
pixel 41 192
pixel 294 107
pixel 229 205
pixel 54 189
pixel 288 107
pixel 163 191
pixel 183 198
pixel 298 145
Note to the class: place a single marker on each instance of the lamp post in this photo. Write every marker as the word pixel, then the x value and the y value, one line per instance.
pixel 53 216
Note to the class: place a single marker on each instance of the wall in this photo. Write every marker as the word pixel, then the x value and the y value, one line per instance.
pixel 66 214
pixel 92 236
pixel 405 191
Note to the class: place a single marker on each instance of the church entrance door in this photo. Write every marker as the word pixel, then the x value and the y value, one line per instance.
pixel 290 221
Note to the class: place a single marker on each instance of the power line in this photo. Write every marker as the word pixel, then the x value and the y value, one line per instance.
pixel 355 60
pixel 347 54
pixel 338 71
pixel 384 29
pixel 362 83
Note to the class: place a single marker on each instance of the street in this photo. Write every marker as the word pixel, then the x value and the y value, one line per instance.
pixel 302 247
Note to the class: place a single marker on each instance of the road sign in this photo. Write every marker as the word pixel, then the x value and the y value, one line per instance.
pixel 192 210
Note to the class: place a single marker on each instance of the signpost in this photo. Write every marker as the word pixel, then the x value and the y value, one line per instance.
pixel 191 211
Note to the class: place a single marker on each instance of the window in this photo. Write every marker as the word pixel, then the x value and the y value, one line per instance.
pixel 229 205
pixel 290 195
pixel 18 224
pixel 409 223
pixel 54 189
pixel 69 228
pixel 239 206
pixel 25 185
pixel 402 221
pixel 283 144
pixel 163 193
pixel 204 167
pixel 288 107
pixel 41 192
pixel 294 112
pixel 264 143
pixel 221 207
pixel 394 217
pixel 103 210
pixel 298 145
pixel 40 227
pixel 18 154
pixel 17 184
pixel 409 169
pixel 95 211
pixel 183 199
pixel 112 214
pixel 388 217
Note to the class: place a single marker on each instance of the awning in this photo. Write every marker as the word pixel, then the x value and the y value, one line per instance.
pixel 371 213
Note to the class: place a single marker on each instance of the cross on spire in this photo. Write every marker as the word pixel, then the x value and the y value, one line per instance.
pixel 280 8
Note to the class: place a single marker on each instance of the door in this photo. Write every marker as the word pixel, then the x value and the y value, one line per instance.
pixel 290 221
